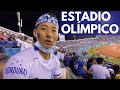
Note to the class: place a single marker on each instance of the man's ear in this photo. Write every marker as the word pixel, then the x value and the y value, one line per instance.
pixel 35 33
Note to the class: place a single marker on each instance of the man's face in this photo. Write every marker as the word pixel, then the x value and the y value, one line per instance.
pixel 47 34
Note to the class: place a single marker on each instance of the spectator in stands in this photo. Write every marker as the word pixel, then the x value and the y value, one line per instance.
pixel 38 62
pixel 79 68
pixel 75 57
pixel 116 69
pixel 55 52
pixel 67 59
pixel 12 38
pixel 109 66
pixel 90 62
pixel 99 71
pixel 12 43
pixel 3 37
pixel 62 56
pixel 19 41
pixel 30 43
pixel 59 54
pixel 24 44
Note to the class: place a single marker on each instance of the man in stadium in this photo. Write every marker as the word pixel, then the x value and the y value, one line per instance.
pixel 79 68
pixel 38 62
pixel 99 71
pixel 75 57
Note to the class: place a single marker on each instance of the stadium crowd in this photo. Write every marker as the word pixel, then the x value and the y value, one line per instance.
pixel 81 65
pixel 88 68
pixel 13 40
pixel 84 44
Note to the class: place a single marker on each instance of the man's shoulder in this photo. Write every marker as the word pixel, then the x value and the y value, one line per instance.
pixel 94 66
pixel 25 54
pixel 54 56
pixel 23 58
pixel 27 51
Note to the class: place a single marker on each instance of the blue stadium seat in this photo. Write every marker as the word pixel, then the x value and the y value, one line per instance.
pixel 8 44
pixel 11 51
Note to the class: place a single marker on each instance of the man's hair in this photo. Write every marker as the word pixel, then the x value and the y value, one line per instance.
pixel 70 54
pixel 52 14
pixel 25 38
pixel 91 59
pixel 99 60
pixel 74 53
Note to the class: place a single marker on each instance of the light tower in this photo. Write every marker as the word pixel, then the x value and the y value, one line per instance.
pixel 19 22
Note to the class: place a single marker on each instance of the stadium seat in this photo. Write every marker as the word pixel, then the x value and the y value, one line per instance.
pixel 11 51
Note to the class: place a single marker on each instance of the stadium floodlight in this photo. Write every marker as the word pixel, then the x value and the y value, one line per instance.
pixel 19 22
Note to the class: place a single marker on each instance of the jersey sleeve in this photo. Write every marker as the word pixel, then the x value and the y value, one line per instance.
pixel 16 68
pixel 57 72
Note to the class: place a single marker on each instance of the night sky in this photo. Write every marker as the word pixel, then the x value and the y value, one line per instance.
pixel 8 19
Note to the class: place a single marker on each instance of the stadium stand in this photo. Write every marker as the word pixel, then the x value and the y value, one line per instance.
pixel 10 47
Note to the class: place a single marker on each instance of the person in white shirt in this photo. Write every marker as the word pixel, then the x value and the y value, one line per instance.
pixel 30 44
pixel 99 71
pixel 62 56
pixel 24 44
pixel 19 42
pixel 58 54
pixel 37 62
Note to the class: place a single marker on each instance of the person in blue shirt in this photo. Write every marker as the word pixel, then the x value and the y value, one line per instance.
pixel 75 57
pixel 67 60
pixel 79 68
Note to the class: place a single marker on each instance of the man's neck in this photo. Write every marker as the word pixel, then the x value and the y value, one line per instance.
pixel 46 56
pixel 101 64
